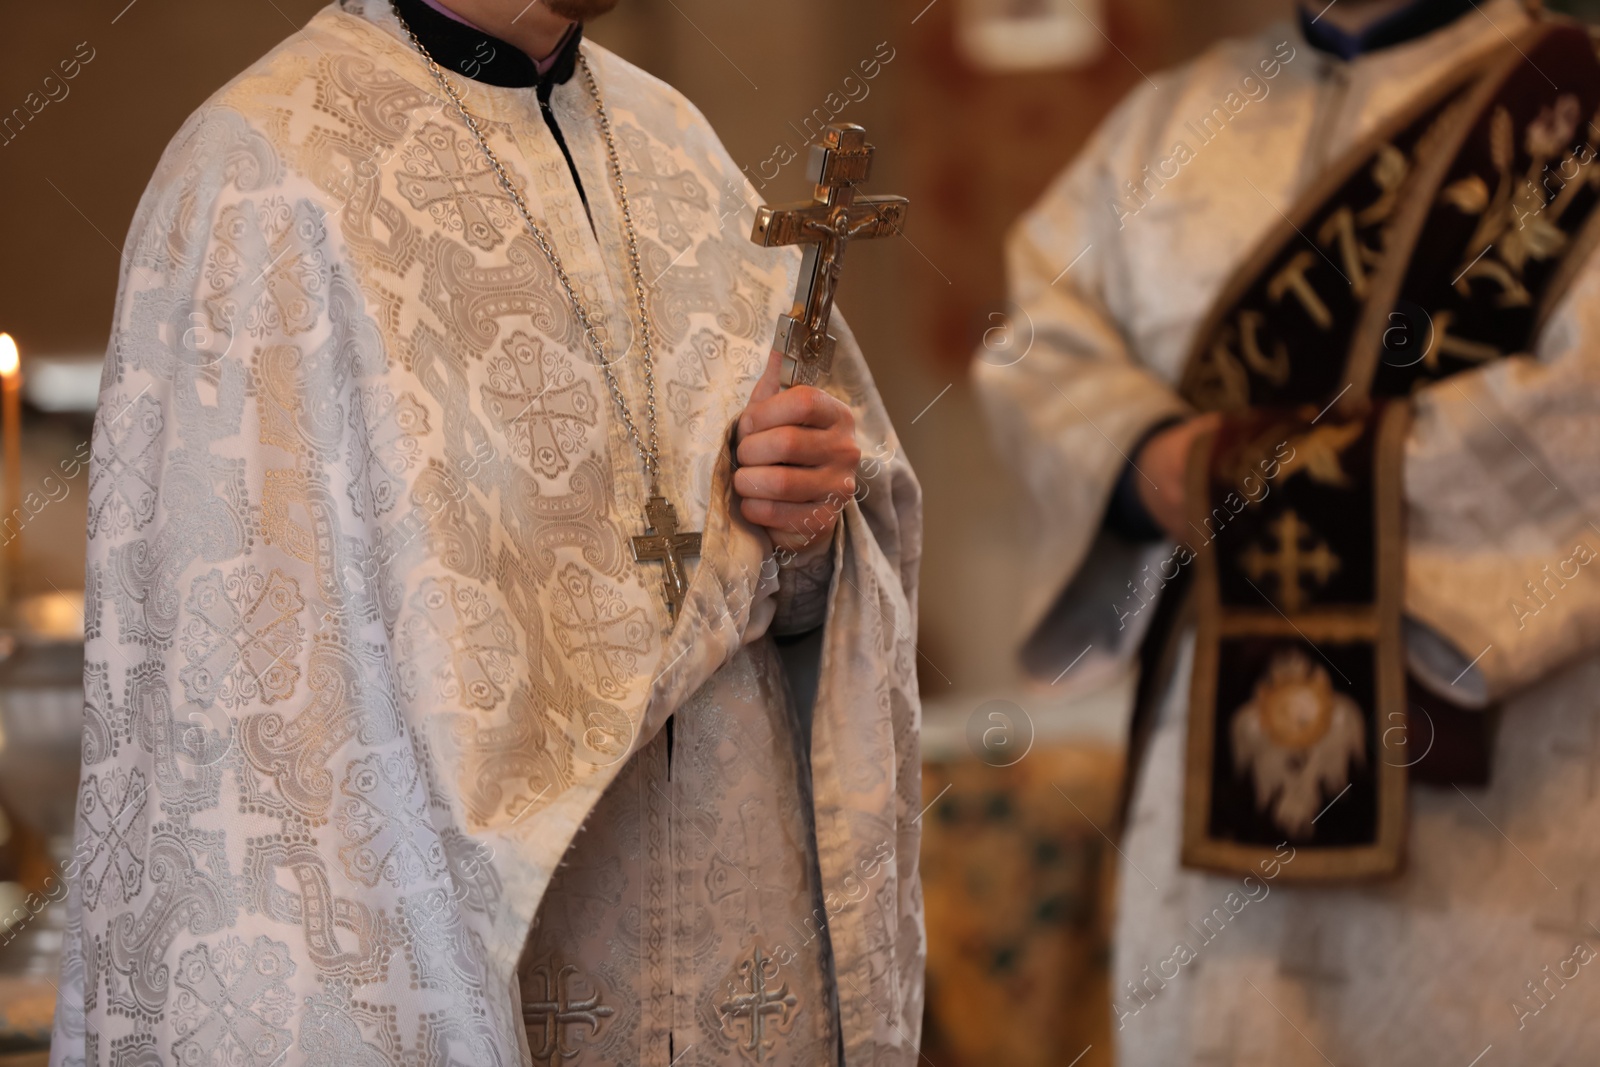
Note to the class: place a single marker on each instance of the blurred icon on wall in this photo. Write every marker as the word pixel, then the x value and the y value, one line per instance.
pixel 1021 35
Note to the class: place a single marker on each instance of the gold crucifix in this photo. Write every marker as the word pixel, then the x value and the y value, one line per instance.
pixel 834 217
pixel 1290 561
pixel 662 543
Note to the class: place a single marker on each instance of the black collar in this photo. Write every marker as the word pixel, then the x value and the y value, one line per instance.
pixel 460 48
pixel 1417 19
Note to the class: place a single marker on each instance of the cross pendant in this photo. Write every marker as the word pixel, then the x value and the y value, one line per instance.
pixel 662 543
pixel 834 217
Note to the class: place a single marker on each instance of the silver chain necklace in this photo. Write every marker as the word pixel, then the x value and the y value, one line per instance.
pixel 661 542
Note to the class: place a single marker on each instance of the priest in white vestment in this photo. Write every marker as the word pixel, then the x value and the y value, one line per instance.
pixel 1482 950
pixel 399 748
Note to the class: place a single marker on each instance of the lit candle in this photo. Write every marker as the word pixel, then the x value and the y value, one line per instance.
pixel 11 386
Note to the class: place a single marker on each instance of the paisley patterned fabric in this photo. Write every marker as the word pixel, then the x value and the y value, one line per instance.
pixel 374 761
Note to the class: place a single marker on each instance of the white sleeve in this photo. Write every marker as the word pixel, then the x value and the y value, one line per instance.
pixel 1502 488
pixel 1065 397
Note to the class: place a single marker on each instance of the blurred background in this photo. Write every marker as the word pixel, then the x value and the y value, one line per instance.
pixel 976 105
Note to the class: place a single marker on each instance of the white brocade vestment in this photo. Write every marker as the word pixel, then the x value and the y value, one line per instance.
pixel 375 761
pixel 1488 935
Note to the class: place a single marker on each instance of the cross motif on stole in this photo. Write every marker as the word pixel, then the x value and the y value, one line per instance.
pixel 726 877
pixel 547 414
pixel 114 834
pixel 559 1010
pixel 758 1002
pixel 464 190
pixel 234 1000
pixel 662 543
pixel 824 227
pixel 595 625
pixel 477 638
pixel 664 189
pixel 1290 561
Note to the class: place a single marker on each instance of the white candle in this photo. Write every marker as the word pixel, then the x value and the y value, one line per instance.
pixel 11 386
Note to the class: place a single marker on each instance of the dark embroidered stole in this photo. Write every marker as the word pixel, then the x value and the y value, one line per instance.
pixel 1433 247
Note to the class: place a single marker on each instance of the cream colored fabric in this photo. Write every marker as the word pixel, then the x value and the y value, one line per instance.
pixel 372 676
pixel 1501 478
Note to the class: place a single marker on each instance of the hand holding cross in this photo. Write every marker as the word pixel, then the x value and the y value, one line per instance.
pixel 796 448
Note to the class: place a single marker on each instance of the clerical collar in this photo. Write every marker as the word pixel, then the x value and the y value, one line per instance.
pixel 462 48
pixel 1417 19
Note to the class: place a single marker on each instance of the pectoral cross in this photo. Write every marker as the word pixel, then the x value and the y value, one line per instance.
pixel 662 543
pixel 834 217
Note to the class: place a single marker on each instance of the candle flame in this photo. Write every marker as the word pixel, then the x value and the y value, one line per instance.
pixel 10 361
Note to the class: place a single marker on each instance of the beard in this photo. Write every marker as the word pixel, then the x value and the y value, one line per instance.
pixel 580 10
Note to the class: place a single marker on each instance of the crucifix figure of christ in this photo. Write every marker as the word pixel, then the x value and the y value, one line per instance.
pixel 834 217
pixel 662 542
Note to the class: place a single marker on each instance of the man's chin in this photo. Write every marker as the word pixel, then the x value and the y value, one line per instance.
pixel 580 10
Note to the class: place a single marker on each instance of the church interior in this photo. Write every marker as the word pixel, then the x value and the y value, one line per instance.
pixel 974 107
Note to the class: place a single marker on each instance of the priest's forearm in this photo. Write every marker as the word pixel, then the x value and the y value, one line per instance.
pixel 1126 513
